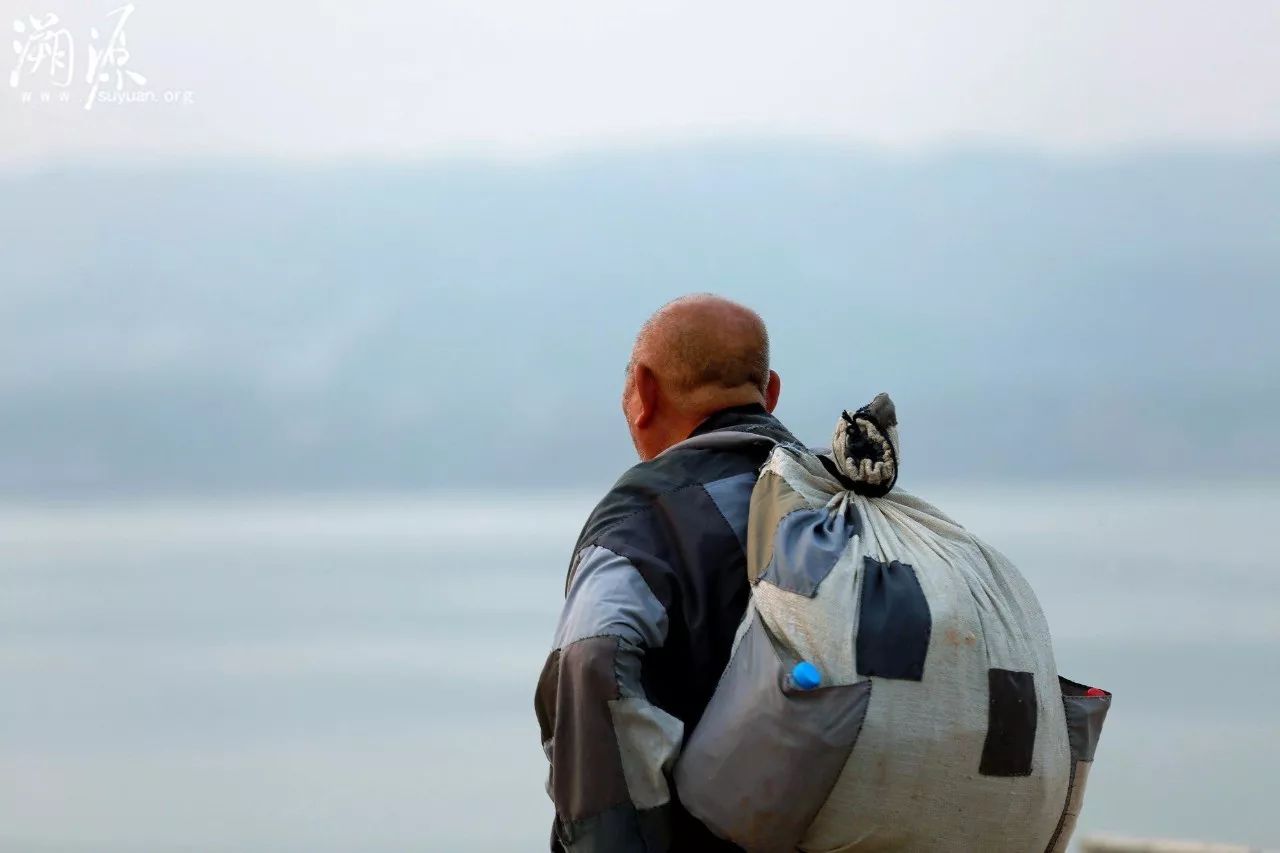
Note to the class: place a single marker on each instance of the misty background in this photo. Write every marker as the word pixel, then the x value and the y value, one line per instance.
pixel 466 323
pixel 280 361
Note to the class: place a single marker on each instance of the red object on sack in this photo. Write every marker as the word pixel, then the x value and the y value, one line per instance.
pixel 1095 691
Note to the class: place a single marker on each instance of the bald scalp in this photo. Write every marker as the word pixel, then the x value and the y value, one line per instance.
pixel 703 345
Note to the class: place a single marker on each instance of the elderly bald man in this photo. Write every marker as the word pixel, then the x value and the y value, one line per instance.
pixel 658 583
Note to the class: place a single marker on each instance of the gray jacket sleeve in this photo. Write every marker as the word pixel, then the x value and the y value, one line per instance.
pixel 611 751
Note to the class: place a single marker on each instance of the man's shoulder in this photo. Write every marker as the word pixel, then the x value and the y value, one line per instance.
pixel 644 487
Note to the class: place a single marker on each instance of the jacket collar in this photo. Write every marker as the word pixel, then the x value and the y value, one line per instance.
pixel 751 417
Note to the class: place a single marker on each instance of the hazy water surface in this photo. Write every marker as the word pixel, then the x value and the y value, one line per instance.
pixel 357 675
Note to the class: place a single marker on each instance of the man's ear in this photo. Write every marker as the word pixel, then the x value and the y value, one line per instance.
pixel 647 392
pixel 772 391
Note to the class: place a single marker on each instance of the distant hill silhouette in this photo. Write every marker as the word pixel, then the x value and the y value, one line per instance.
pixel 228 326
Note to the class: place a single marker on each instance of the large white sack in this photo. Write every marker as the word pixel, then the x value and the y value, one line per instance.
pixel 940 722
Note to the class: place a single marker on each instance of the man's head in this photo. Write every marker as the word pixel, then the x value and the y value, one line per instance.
pixel 695 356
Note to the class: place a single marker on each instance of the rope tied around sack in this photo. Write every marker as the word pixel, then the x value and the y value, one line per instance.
pixel 864 447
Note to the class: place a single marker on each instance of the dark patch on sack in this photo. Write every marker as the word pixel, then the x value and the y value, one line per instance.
pixel 894 622
pixel 1011 724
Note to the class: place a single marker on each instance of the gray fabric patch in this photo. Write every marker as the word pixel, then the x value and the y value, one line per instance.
pixel 806 546
pixel 732 496
pixel 586 767
pixel 627 667
pixel 772 499
pixel 765 756
pixel 648 740
pixel 1084 718
pixel 1085 715
pixel 609 597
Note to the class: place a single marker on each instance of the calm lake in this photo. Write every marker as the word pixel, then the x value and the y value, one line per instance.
pixel 356 674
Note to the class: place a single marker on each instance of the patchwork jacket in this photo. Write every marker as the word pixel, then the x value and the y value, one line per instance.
pixel 657 587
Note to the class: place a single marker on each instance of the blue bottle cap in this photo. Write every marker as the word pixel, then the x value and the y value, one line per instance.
pixel 805 675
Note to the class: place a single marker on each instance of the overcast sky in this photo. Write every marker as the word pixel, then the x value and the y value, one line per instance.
pixel 318 79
